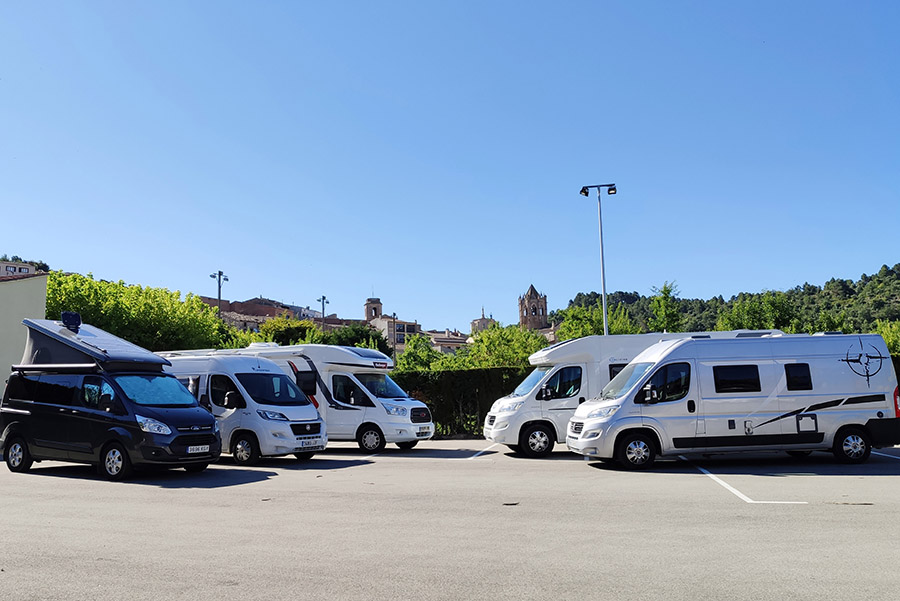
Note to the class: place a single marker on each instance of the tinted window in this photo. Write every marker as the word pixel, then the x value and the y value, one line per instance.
pixel 672 382
pixel 59 389
pixel 21 387
pixel 93 389
pixel 381 386
pixel 219 386
pixel 347 392
pixel 736 378
pixel 564 383
pixel 798 377
pixel 615 368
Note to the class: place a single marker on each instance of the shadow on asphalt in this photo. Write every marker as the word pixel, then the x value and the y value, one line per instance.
pixel 212 477
pixel 774 464
pixel 416 453
pixel 318 463
pixel 554 456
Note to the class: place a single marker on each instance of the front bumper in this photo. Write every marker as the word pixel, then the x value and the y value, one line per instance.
pixel 407 432
pixel 591 440
pixel 497 429
pixel 156 450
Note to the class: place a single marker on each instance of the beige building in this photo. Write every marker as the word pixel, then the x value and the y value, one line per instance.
pixel 15 268
pixel 394 329
pixel 447 341
pixel 21 296
pixel 479 325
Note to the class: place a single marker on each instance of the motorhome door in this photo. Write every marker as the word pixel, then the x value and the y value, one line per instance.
pixel 561 394
pixel 670 404
pixel 229 419
pixel 348 409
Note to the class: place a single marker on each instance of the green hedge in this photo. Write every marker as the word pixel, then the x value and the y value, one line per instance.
pixel 459 400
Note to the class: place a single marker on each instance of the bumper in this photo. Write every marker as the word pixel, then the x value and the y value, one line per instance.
pixel 150 452
pixel 592 442
pixel 282 439
pixel 497 429
pixel 406 432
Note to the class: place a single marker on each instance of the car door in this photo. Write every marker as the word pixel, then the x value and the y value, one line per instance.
pixel 54 406
pixel 560 396
pixel 672 408
pixel 94 413
pixel 229 420
pixel 348 408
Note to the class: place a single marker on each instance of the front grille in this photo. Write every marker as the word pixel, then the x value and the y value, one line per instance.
pixel 492 419
pixel 577 427
pixel 196 428
pixel 419 415
pixel 304 428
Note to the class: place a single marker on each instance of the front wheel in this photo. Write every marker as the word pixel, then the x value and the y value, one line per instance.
pixel 370 439
pixel 408 444
pixel 852 445
pixel 537 441
pixel 245 449
pixel 114 463
pixel 303 456
pixel 18 459
pixel 635 452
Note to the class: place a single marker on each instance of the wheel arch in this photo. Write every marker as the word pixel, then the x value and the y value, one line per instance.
pixel 544 422
pixel 650 432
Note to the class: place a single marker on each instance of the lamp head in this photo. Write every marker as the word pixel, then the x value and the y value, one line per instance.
pixel 611 190
pixel 584 191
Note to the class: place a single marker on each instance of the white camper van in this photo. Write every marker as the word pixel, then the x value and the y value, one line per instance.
pixel 351 389
pixel 261 412
pixel 794 393
pixel 535 416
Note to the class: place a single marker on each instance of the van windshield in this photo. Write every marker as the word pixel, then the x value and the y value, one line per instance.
pixel 624 380
pixel 381 386
pixel 272 389
pixel 156 390
pixel 531 381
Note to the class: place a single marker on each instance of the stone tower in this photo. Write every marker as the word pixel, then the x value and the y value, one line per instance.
pixel 373 308
pixel 533 310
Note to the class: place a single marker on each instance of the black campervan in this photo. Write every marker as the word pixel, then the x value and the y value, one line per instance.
pixel 86 396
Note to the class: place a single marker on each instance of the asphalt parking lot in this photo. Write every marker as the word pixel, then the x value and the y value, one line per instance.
pixel 458 519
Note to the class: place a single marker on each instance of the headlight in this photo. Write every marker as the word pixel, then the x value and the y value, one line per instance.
pixel 510 407
pixel 603 411
pixel 151 425
pixel 273 415
pixel 394 409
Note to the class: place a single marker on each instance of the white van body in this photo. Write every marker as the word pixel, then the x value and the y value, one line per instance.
pixel 795 393
pixel 351 389
pixel 573 371
pixel 271 416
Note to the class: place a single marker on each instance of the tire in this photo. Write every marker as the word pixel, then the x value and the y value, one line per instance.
pixel 303 456
pixel 799 454
pixel 635 451
pixel 409 444
pixel 370 439
pixel 852 445
pixel 515 448
pixel 537 441
pixel 196 468
pixel 18 458
pixel 115 464
pixel 245 449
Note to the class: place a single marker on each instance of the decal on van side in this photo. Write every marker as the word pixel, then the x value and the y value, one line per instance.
pixel 864 368
pixel 856 400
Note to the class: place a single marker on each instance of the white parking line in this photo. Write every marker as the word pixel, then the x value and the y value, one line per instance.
pixel 481 452
pixel 885 455
pixel 738 493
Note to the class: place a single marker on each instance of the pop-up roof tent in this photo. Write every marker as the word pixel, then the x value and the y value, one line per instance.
pixel 56 343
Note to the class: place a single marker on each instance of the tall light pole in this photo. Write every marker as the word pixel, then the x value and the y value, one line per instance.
pixel 610 189
pixel 324 302
pixel 221 277
pixel 394 334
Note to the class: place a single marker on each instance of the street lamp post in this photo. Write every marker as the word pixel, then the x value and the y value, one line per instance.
pixel 610 189
pixel 324 302
pixel 394 335
pixel 221 277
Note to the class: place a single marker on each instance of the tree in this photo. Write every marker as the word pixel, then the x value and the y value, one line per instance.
pixel 578 321
pixel 496 346
pixel 358 335
pixel 890 331
pixel 666 315
pixel 284 331
pixel 760 312
pixel 419 355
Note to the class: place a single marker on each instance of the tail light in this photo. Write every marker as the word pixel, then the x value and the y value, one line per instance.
pixel 897 401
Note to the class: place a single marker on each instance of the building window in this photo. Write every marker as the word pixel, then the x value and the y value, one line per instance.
pixel 401 339
pixel 401 327
pixel 23 270
pixel 11 268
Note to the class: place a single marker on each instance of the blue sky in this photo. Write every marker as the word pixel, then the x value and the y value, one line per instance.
pixel 431 153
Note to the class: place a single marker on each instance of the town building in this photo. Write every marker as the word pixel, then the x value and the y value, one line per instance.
pixel 395 330
pixel 483 323
pixel 8 268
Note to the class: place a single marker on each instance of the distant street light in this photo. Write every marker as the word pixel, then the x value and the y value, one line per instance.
pixel 394 335
pixel 324 302
pixel 221 277
pixel 610 189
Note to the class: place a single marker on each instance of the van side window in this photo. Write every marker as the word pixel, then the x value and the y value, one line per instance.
pixel 58 389
pixel 21 387
pixel 93 389
pixel 736 378
pixel 565 383
pixel 615 368
pixel 346 391
pixel 672 382
pixel 798 377
pixel 219 386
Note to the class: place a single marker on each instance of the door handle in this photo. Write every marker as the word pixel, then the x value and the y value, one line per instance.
pixel 581 400
pixel 691 406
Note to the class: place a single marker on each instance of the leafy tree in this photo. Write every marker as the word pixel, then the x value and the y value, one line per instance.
pixel 890 331
pixel 153 318
pixel 419 355
pixel 666 317
pixel 496 346
pixel 760 312
pixel 284 331
pixel 578 321
pixel 358 335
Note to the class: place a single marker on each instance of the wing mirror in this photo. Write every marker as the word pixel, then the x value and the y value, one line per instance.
pixel 651 395
pixel 546 394
pixel 233 400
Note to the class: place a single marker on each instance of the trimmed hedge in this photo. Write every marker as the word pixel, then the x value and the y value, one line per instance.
pixel 460 399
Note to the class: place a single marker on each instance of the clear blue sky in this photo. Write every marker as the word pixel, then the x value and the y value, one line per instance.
pixel 431 153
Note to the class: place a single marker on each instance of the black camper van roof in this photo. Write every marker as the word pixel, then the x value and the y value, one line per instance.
pixel 51 342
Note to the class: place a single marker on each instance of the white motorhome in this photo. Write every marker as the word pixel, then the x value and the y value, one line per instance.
pixel 351 389
pixel 261 412
pixel 794 393
pixel 535 415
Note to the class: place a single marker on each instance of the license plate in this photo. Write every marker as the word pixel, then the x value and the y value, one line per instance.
pixel 424 429
pixel 309 443
pixel 203 448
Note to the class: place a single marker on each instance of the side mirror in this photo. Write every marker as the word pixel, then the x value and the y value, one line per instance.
pixel 106 404
pixel 352 397
pixel 651 395
pixel 233 400
pixel 546 394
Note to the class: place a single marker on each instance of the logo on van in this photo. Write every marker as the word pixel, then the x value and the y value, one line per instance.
pixel 195 428
pixel 862 363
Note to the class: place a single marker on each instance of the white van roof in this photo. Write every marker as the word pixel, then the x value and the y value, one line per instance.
pixel 223 363
pixel 323 353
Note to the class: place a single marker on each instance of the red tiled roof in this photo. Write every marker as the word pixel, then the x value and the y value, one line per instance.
pixel 20 276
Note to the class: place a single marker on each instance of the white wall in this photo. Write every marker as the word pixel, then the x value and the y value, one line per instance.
pixel 18 299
